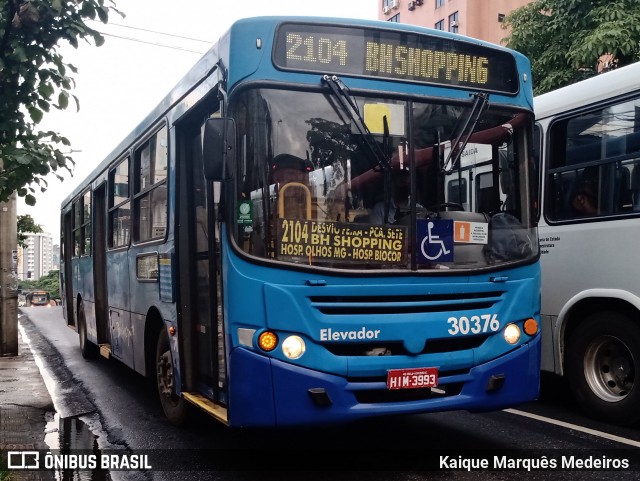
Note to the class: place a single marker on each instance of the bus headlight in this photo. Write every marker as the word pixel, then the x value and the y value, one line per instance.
pixel 293 347
pixel 511 333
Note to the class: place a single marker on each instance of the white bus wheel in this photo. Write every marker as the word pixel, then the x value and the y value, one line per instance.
pixel 603 362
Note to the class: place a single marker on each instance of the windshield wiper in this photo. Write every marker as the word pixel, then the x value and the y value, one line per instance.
pixel 350 107
pixel 478 107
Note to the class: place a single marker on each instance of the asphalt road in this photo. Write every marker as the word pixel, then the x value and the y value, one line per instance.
pixel 118 409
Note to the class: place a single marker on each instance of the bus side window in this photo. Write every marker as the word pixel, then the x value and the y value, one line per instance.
pixel 635 186
pixel 625 202
pixel 150 187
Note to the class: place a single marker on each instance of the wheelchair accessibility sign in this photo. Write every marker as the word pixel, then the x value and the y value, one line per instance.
pixel 435 240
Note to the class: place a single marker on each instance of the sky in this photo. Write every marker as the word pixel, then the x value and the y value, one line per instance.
pixel 119 83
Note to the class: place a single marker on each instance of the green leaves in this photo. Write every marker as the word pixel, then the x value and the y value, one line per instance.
pixel 34 77
pixel 567 39
pixel 35 113
pixel 63 100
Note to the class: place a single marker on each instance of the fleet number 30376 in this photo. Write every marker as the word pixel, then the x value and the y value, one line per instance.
pixel 474 324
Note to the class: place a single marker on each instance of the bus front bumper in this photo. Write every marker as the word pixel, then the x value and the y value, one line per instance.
pixel 275 393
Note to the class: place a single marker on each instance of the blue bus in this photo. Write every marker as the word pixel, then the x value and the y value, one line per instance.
pixel 325 220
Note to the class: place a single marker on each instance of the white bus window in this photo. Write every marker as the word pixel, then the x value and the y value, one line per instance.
pixel 593 163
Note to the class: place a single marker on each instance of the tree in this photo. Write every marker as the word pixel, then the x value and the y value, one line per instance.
pixel 26 224
pixel 567 40
pixel 50 283
pixel 33 79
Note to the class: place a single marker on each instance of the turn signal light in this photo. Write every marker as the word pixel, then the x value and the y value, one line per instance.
pixel 531 327
pixel 267 341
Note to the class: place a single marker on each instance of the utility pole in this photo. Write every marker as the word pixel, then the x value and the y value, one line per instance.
pixel 8 276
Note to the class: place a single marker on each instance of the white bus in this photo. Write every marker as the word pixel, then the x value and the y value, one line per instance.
pixel 589 139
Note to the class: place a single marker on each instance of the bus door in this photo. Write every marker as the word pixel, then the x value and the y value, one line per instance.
pixel 199 288
pixel 99 264
pixel 67 273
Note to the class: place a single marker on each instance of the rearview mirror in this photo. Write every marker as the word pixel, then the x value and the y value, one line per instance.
pixel 216 151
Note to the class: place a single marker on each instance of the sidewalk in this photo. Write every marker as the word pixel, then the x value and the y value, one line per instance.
pixel 24 404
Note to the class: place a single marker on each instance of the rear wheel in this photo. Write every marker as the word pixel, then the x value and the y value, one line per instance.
pixel 174 406
pixel 603 360
pixel 88 349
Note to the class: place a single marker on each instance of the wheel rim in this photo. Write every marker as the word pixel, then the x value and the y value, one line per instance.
pixel 609 368
pixel 165 375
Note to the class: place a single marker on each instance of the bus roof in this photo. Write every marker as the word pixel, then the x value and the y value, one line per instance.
pixel 208 64
pixel 590 91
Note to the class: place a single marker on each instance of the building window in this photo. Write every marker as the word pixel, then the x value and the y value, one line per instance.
pixel 439 3
pixel 119 205
pixel 453 22
pixel 501 17
pixel 395 18
pixel 439 25
pixel 150 198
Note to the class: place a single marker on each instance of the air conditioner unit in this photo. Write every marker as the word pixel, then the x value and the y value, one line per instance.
pixel 412 5
pixel 419 2
pixel 386 10
pixel 453 24
pixel 395 4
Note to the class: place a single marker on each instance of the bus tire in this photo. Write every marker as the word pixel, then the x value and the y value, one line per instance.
pixel 603 360
pixel 174 406
pixel 88 349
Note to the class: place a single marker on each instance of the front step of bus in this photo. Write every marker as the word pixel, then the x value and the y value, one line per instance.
pixel 105 350
pixel 208 406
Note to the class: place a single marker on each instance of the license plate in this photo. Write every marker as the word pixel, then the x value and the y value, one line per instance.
pixel 412 378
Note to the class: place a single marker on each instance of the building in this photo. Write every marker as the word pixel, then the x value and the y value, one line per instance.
pixel 481 19
pixel 37 257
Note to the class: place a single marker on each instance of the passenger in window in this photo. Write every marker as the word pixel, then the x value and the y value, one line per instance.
pixel 585 200
pixel 291 176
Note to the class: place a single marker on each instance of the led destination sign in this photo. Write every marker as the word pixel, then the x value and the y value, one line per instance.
pixel 403 56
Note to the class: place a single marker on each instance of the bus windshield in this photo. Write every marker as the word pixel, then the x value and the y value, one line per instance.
pixel 425 185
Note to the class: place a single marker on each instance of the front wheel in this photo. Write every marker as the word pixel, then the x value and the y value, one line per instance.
pixel 603 359
pixel 174 406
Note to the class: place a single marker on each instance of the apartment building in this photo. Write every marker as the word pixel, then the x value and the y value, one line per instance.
pixel 480 19
pixel 37 257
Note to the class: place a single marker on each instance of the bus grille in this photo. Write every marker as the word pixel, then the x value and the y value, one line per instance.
pixel 403 304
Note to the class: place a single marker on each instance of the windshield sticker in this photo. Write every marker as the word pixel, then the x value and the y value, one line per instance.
pixel 245 212
pixel 435 239
pixel 471 232
pixel 311 241
pixel 376 113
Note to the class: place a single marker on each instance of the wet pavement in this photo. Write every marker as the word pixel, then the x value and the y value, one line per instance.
pixel 25 409
pixel 43 410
